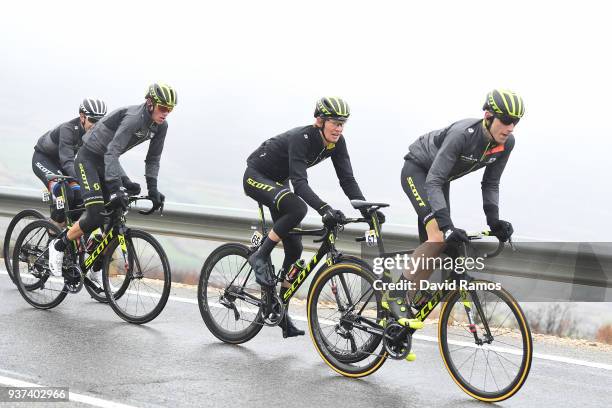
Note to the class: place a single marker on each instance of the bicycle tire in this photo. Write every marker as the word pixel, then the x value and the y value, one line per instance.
pixel 7 248
pixel 463 339
pixel 241 254
pixel 345 366
pixel 29 291
pixel 116 296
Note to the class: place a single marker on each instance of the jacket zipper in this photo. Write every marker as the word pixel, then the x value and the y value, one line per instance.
pixel 318 157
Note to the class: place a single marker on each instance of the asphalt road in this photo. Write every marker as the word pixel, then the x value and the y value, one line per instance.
pixel 174 361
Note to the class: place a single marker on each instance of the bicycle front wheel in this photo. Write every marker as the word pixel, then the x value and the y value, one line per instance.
pixel 344 319
pixel 485 342
pixel 228 296
pixel 136 276
pixel 16 225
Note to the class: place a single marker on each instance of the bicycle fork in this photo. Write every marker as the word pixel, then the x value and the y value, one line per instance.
pixel 469 306
pixel 136 271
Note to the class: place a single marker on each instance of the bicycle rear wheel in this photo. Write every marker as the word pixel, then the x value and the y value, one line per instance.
pixel 228 295
pixel 12 232
pixel 31 266
pixel 344 315
pixel 136 277
pixel 489 360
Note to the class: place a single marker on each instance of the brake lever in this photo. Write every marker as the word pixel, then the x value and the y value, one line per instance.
pixel 512 247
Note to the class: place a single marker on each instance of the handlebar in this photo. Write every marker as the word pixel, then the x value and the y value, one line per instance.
pixel 500 245
pixel 131 200
pixel 153 208
pixel 322 232
pixel 471 236
pixel 60 177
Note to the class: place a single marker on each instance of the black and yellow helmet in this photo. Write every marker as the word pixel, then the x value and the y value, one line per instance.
pixel 330 107
pixel 162 94
pixel 504 103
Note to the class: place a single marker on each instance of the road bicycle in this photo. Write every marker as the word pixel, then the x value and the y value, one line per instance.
pixel 234 307
pixel 483 335
pixel 136 274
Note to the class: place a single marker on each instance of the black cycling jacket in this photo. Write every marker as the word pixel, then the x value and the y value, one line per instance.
pixel 62 143
pixel 121 130
pixel 288 156
pixel 455 151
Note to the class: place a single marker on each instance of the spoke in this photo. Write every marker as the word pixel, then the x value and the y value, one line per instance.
pixel 460 348
pixel 505 358
pixel 466 360
pixel 502 365
pixel 474 363
pixel 508 344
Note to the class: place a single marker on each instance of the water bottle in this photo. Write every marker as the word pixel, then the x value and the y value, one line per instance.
pixel 295 270
pixel 94 240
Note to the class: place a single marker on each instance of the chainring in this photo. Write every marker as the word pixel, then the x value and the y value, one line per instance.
pixel 397 341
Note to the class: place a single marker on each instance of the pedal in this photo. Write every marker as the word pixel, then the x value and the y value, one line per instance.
pixel 412 323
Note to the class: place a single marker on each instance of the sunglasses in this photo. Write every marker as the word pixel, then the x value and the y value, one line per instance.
pixel 164 108
pixel 337 122
pixel 507 120
pixel 92 120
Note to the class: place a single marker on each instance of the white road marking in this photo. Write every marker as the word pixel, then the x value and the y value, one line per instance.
pixel 72 396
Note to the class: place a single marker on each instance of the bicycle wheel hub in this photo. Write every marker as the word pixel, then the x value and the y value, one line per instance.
pixel 348 321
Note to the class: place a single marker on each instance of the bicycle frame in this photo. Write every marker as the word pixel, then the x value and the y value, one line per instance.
pixel 440 294
pixel 116 229
pixel 327 247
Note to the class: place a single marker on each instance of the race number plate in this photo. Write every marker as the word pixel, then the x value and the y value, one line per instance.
pixel 45 195
pixel 256 238
pixel 59 203
pixel 370 238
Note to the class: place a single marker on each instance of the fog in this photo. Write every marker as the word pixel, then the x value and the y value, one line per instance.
pixel 247 71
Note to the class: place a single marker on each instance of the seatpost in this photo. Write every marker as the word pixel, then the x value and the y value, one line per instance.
pixel 262 217
pixel 377 229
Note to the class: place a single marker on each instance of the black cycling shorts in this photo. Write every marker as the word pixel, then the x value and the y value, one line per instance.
pixel 90 172
pixel 43 165
pixel 264 190
pixel 413 182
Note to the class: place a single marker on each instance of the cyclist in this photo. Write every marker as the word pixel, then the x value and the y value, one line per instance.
pixel 55 150
pixel 286 158
pixel 441 156
pixel 98 169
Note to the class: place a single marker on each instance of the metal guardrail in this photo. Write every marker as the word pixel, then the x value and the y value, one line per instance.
pixel 587 264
